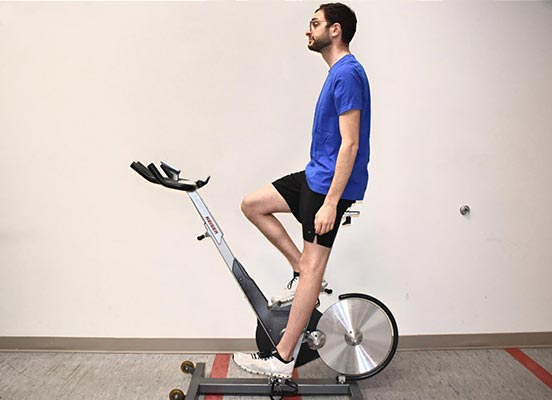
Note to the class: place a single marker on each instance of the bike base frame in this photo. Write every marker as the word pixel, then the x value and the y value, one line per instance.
pixel 200 385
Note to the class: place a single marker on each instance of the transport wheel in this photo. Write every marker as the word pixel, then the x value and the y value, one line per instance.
pixel 187 367
pixel 361 336
pixel 177 394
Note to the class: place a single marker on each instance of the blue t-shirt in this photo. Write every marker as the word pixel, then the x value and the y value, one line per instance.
pixel 346 88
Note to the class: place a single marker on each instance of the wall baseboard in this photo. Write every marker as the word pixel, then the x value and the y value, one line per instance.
pixel 226 345
pixel 125 345
pixel 475 341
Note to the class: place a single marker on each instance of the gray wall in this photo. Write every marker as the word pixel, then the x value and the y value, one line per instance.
pixel 462 114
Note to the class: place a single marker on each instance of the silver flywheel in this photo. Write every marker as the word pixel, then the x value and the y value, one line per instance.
pixel 361 336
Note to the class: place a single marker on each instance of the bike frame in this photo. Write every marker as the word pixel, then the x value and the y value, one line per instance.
pixel 272 320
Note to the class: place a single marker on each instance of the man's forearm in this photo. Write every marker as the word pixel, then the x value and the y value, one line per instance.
pixel 349 127
pixel 343 168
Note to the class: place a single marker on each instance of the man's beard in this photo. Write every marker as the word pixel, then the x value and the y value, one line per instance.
pixel 319 44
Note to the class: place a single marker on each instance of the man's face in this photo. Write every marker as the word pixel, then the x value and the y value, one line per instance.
pixel 318 34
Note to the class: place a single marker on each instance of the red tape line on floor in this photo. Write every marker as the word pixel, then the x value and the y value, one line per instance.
pixel 531 365
pixel 219 370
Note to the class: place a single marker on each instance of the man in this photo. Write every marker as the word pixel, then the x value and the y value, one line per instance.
pixel 334 178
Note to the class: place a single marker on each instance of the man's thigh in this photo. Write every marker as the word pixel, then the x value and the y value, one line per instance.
pixel 290 187
pixel 267 200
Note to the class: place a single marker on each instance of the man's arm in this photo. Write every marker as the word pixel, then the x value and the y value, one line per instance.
pixel 349 128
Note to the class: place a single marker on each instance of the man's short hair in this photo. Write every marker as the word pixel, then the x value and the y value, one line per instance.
pixel 344 16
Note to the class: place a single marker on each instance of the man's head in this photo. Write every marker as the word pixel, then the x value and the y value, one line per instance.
pixel 329 21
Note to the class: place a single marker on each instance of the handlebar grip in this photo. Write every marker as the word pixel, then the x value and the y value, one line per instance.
pixel 156 174
pixel 143 171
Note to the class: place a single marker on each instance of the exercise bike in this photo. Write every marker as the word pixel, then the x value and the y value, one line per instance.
pixel 356 337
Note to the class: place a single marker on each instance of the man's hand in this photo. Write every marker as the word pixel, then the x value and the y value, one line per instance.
pixel 325 219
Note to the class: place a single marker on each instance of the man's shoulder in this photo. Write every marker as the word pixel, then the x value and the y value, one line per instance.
pixel 350 68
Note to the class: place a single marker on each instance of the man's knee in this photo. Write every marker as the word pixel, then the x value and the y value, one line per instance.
pixel 314 263
pixel 307 268
pixel 248 205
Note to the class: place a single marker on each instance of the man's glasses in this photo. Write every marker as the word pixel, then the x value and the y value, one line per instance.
pixel 314 24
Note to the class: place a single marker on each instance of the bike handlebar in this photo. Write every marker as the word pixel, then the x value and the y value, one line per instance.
pixel 143 171
pixel 172 181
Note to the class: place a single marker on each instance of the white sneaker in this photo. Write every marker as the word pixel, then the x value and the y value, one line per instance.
pixel 288 293
pixel 269 364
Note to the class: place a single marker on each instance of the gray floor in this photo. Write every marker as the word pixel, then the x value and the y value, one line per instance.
pixel 467 374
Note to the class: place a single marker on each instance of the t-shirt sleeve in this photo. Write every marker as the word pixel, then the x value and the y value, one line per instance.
pixel 348 91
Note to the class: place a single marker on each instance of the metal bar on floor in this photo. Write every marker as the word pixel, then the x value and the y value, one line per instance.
pixel 199 385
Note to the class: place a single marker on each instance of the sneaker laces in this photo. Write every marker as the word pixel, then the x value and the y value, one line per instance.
pixel 262 355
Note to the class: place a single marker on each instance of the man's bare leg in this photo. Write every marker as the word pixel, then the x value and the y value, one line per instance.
pixel 259 207
pixel 312 266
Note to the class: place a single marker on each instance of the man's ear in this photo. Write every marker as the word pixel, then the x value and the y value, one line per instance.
pixel 335 30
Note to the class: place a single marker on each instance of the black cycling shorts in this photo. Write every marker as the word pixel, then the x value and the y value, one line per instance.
pixel 304 204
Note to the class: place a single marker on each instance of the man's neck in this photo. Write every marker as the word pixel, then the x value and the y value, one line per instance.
pixel 334 53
